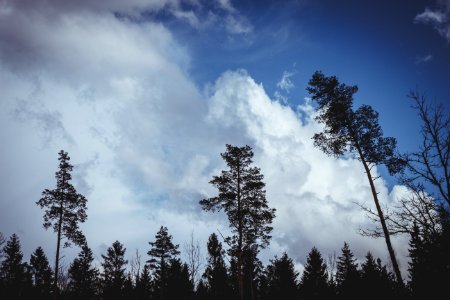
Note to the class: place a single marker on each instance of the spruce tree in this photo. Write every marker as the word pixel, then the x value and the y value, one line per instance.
pixel 201 291
pixel 144 284
pixel 114 266
pixel 41 272
pixel 14 272
pixel 162 252
pixel 215 275
pixel 65 208
pixel 314 280
pixel 347 274
pixel 242 196
pixel 179 285
pixel 376 278
pixel 84 277
pixel 282 279
pixel 355 132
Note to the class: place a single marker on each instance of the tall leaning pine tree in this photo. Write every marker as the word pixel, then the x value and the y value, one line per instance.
pixel 354 132
pixel 242 196
pixel 64 209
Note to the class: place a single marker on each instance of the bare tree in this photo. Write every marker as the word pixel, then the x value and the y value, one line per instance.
pixel 194 258
pixel 429 166
pixel 2 241
pixel 135 266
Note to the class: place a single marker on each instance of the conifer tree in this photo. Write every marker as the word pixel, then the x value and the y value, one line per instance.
pixel 376 278
pixel 41 272
pixel 243 198
pixel 282 279
pixel 347 274
pixel 356 132
pixel 144 284
pixel 216 271
pixel 14 272
pixel 201 292
pixel 114 266
pixel 162 252
pixel 84 277
pixel 65 208
pixel 314 280
pixel 179 285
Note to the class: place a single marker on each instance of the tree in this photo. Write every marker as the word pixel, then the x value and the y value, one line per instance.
pixel 65 208
pixel 282 279
pixel 2 242
pixel 194 258
pixel 179 285
pixel 430 164
pixel 13 271
pixel 347 274
pixel 243 198
pixel 314 280
pixel 376 279
pixel 161 252
pixel 354 132
pixel 42 275
pixel 114 264
pixel 144 284
pixel 84 277
pixel 215 274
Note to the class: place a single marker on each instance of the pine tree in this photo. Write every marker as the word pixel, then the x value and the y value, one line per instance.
pixel 13 272
pixel 314 280
pixel 114 277
pixel 347 274
pixel 243 198
pixel 65 208
pixel 356 132
pixel 161 252
pixel 216 271
pixel 201 292
pixel 41 272
pixel 282 279
pixel 84 277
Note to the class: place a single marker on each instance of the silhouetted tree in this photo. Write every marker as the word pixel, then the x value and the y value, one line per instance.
pixel 13 272
pixel 2 242
pixel 347 275
pixel 314 280
pixel 114 265
pixel 84 277
pixel 144 284
pixel 282 279
pixel 65 208
pixel 376 279
pixel 201 292
pixel 179 285
pixel 161 252
pixel 356 132
pixel 41 272
pixel 215 274
pixel 243 198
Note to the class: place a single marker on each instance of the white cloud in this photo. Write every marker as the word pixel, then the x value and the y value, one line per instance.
pixel 145 141
pixel 439 18
pixel 423 59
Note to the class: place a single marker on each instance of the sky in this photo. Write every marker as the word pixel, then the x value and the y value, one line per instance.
pixel 144 95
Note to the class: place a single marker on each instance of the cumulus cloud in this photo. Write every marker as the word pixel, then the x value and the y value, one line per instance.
pixel 145 140
pixel 438 17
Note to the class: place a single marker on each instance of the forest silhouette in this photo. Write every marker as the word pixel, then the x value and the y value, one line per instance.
pixel 232 269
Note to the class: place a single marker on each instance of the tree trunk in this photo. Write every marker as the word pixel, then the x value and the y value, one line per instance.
pixel 240 273
pixel 386 234
pixel 58 245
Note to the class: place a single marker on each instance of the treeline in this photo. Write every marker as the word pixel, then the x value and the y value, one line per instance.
pixel 233 269
pixel 165 276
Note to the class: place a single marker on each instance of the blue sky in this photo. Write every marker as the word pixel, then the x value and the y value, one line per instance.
pixel 144 95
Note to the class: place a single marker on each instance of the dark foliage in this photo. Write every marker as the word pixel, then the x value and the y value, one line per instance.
pixel 114 276
pixel 347 275
pixel 243 198
pixel 64 209
pixel 281 279
pixel 314 280
pixel 84 277
pixel 42 275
